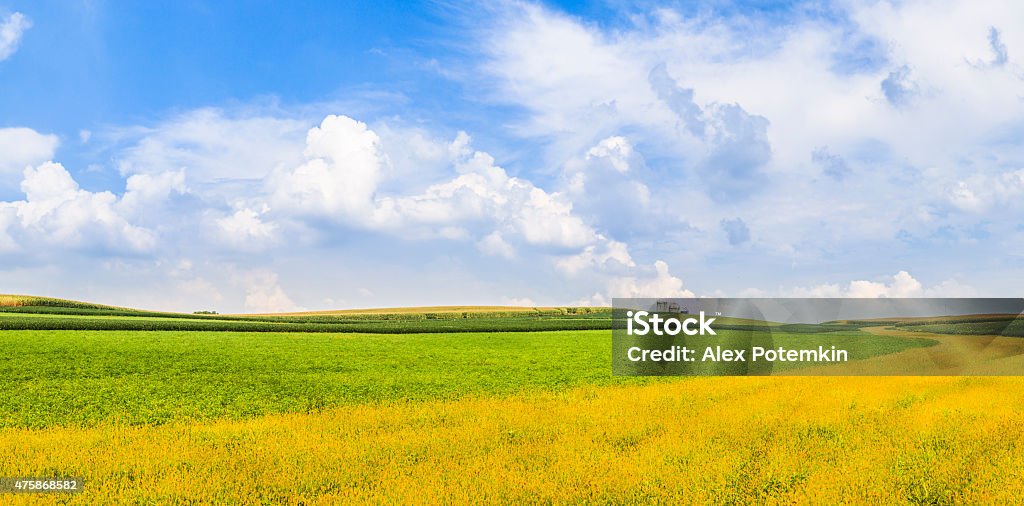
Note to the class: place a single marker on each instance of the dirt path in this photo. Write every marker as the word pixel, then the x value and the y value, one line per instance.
pixel 953 355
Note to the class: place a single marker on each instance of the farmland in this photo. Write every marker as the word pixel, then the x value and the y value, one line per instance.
pixel 1010 325
pixel 418 412
pixel 720 440
pixel 1012 328
pixel 89 377
pixel 82 316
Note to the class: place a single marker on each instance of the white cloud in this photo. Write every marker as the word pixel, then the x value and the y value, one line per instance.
pixel 215 147
pixel 24 147
pixel 608 255
pixel 608 187
pixel 604 176
pixel 11 30
pixel 661 284
pixel 246 230
pixel 265 295
pixel 624 136
pixel 726 106
pixel 8 218
pixel 494 244
pixel 901 285
pixel 617 150
pixel 57 211
pixel 143 190
pixel 344 167
pixel 981 192
pixel 340 174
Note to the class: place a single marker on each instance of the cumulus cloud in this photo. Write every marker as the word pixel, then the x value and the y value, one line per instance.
pixel 901 285
pixel 838 170
pixel 494 244
pixel 8 218
pixel 265 295
pixel 340 175
pixel 485 194
pixel 246 229
pixel 678 99
pixel 143 190
pixel 344 167
pixel 608 186
pixel 661 284
pixel 609 255
pixel 843 135
pixel 737 141
pixel 11 30
pixel 347 176
pixel 616 150
pixel 58 212
pixel 343 173
pixel 608 166
pixel 24 147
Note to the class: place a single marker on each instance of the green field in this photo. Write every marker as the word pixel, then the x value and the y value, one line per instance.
pixel 137 367
pixel 1010 328
pixel 415 412
pixel 84 377
pixel 80 317
pixel 1010 325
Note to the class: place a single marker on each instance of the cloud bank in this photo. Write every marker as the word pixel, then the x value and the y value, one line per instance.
pixel 730 151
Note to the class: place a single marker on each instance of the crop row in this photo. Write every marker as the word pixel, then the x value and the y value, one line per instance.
pixel 575 313
pixel 993 318
pixel 1009 328
pixel 520 324
pixel 28 300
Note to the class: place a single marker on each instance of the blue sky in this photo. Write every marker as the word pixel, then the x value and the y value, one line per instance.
pixel 265 156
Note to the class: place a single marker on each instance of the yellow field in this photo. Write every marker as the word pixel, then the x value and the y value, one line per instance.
pixel 723 440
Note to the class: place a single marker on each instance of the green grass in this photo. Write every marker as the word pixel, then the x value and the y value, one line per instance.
pixel 19 313
pixel 933 320
pixel 1010 328
pixel 85 377
pixel 1010 325
pixel 88 365
pixel 47 305
pixel 20 322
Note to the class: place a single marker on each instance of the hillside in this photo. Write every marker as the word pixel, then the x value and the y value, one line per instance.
pixel 31 300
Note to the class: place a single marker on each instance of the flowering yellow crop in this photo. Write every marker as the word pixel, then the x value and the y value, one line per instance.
pixel 719 440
